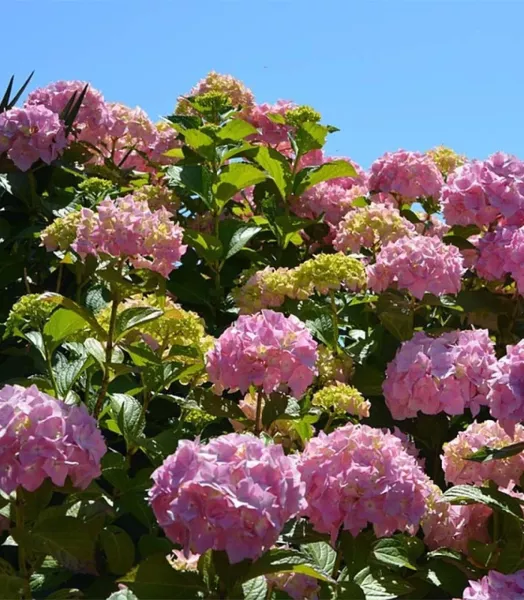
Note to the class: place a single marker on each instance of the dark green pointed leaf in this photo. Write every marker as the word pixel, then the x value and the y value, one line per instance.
pixel 118 548
pixel 236 130
pixel 193 179
pixel 310 136
pixel 322 555
pixel 396 314
pixel 76 308
pixel 236 177
pixel 289 561
pixel 378 585
pixel 486 453
pixel 62 323
pixel 133 317
pixel 200 142
pixel 255 589
pixel 393 552
pixel 325 172
pixel 241 236
pixel 279 406
pixel 495 499
pixel 206 245
pixel 127 412
pixel 276 166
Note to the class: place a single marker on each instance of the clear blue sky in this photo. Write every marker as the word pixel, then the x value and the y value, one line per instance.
pixel 389 73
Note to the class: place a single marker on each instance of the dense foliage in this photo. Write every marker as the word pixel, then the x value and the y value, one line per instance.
pixel 235 367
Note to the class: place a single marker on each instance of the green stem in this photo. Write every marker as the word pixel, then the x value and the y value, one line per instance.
pixel 334 317
pixel 109 353
pixel 50 369
pixel 258 415
pixel 338 560
pixel 22 558
pixel 59 279
pixel 328 423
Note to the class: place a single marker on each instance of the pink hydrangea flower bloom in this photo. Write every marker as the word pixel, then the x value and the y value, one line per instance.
pixel 451 526
pixel 506 395
pixel 296 585
pixel 267 350
pixel 93 119
pixel 504 183
pixel 271 133
pixel 370 227
pixel 496 586
pixel 501 253
pixel 358 475
pixel 30 134
pixel 128 228
pixel 233 494
pixel 418 264
pixel 431 226
pixel 504 472
pixel 445 374
pixel 409 174
pixel 42 437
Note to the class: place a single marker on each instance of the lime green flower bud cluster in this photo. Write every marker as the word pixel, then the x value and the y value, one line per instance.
pixel 198 418
pixel 61 233
pixel 157 196
pixel 29 313
pixel 270 287
pixel 94 186
pixel 446 159
pixel 340 399
pixel 326 272
pixel 302 114
pixel 333 367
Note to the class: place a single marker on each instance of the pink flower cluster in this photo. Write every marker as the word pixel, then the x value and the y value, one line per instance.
pixel 41 437
pixel 94 117
pixel 504 472
pixel 445 374
pixel 30 134
pixel 370 227
pixel 506 396
pixel 501 253
pixel 328 198
pixel 418 264
pixel 233 494
pixel 271 133
pixel 480 192
pixel 128 228
pixel 267 350
pixel 431 226
pixel 411 175
pixel 496 586
pixel 358 475
pixel 451 526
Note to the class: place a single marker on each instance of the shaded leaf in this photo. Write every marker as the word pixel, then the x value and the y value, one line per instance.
pixel 134 316
pixel 118 548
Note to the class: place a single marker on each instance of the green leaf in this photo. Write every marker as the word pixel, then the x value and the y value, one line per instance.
pixel 356 550
pixel 444 576
pixel 396 314
pixel 10 584
pixel 276 166
pixel 128 413
pixel 236 177
pixel 200 142
pixel 67 539
pixel 236 130
pixel 194 179
pixel 300 531
pixel 206 245
pixel 62 323
pixel 382 586
pixel 134 316
pixel 410 215
pixel 459 242
pixel 67 371
pixel 95 349
pixel 348 590
pixel 155 579
pixel 496 500
pixel 289 561
pixel 76 308
pixel 486 453
pixel 279 406
pixel 235 235
pixel 255 589
pixel 393 552
pixel 322 555
pixel 368 380
pixel 118 548
pixel 205 400
pixel 310 136
pixel 484 301
pixel 325 172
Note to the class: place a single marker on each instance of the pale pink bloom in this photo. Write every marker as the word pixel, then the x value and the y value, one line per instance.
pixel 496 586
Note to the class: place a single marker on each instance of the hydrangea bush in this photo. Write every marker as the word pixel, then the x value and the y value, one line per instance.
pixel 234 366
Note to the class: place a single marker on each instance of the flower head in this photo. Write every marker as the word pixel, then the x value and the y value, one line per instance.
pixel 446 159
pixel 129 229
pixel 333 367
pixel 504 472
pixel 506 395
pixel 30 134
pixel 329 272
pixel 267 350
pixel 411 175
pixel 233 494
pixel 445 374
pixel 496 586
pixel 418 264
pixel 501 253
pixel 61 233
pixel 28 313
pixel 42 437
pixel 358 475
pixel 340 398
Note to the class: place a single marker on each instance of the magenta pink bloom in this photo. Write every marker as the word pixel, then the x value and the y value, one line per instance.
pixel 42 437
pixel 501 253
pixel 271 133
pixel 93 119
pixel 506 396
pixel 409 174
pixel 128 228
pixel 267 350
pixel 296 585
pixel 432 226
pixel 235 494
pixel 504 183
pixel 496 586
pixel 504 472
pixel 357 476
pixel 445 374
pixel 465 198
pixel 418 264
pixel 31 134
